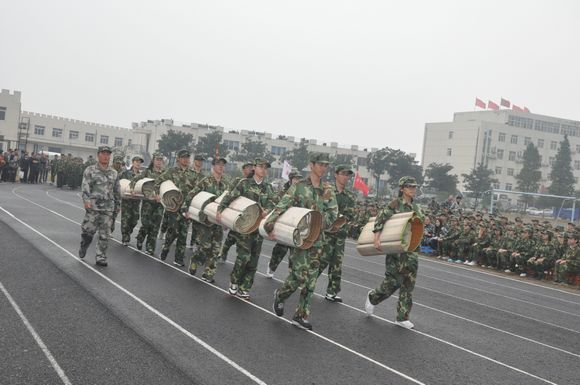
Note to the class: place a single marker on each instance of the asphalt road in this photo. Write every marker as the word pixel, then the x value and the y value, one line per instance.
pixel 143 321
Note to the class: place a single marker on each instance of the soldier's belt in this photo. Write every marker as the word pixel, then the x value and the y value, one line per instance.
pixel 402 233
pixel 297 227
pixel 171 197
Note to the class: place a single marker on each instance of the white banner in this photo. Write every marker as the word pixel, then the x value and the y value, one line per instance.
pixel 286 170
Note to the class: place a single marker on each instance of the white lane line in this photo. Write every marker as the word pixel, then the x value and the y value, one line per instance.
pixel 143 303
pixel 171 322
pixel 36 337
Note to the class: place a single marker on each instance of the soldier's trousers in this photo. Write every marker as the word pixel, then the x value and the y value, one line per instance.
pixel 248 249
pixel 304 272
pixel 278 253
pixel 401 274
pixel 333 255
pixel 60 179
pixel 165 222
pixel 231 239
pixel 209 240
pixel 195 228
pixel 176 230
pixel 560 271
pixel 151 216
pixel 96 222
pixel 113 220
pixel 129 217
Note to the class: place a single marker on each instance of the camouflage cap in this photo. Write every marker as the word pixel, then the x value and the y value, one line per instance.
pixel 295 173
pixel 344 167
pixel 247 164
pixel 118 159
pixel 183 153
pixel 215 161
pixel 262 161
pixel 407 181
pixel 157 155
pixel 104 149
pixel 198 157
pixel 319 157
pixel 137 157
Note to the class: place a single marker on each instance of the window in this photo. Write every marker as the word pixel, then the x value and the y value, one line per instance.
pixel 553 145
pixel 508 186
pixel 578 148
pixel 518 121
pixel 498 170
pixel 577 164
pixel 540 143
pixel 89 137
pixel 448 152
pixel 118 142
pixel 551 160
pixel 510 171
pixel 514 139
pixel 501 137
pixel 277 150
pixel 450 134
pixel 495 185
pixel 232 145
pixel 57 132
pixel 499 153
pixel 512 155
pixel 104 139
pixel 527 140
pixel 2 113
pixel 73 135
pixel 38 130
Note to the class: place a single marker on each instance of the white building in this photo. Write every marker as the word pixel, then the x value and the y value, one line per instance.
pixel 498 139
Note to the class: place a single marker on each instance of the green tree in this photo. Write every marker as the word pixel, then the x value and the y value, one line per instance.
pixel 378 162
pixel 438 177
pixel 173 141
pixel 402 164
pixel 252 149
pixel 299 156
pixel 478 181
pixel 528 179
pixel 561 175
pixel 206 145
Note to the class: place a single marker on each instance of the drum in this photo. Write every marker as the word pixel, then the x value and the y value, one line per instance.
pixel 402 233
pixel 243 215
pixel 198 204
pixel 297 227
pixel 171 197
pixel 145 188
pixel 125 189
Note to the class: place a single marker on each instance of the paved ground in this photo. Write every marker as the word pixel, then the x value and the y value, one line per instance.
pixel 143 321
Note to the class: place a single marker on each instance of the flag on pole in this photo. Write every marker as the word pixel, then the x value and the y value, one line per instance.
pixel 516 108
pixel 526 109
pixel 479 103
pixel 505 103
pixel 492 106
pixel 360 185
pixel 286 170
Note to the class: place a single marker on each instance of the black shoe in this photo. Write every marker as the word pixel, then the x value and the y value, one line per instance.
pixel 178 263
pixel 278 305
pixel 139 245
pixel 332 298
pixel 301 322
pixel 82 252
pixel 163 255
pixel 102 262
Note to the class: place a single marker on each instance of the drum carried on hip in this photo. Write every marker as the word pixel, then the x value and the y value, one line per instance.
pixel 145 188
pixel 297 227
pixel 243 215
pixel 171 197
pixel 402 233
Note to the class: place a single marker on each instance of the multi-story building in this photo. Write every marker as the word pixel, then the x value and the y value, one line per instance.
pixel 498 139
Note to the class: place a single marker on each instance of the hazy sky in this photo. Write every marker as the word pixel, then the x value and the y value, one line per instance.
pixel 361 72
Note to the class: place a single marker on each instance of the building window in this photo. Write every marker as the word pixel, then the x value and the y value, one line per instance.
pixel 527 140
pixel 510 171
pixel 104 139
pixel 501 137
pixel 232 145
pixel 57 132
pixel 118 142
pixel 73 135
pixel 551 160
pixel 577 164
pixel 89 137
pixel 38 130
pixel 512 155
pixel 498 170
pixel 514 139
pixel 277 150
pixel 553 145
pixel 499 153
pixel 450 134
pixel 495 185
pixel 578 148
pixel 540 143
pixel 2 113
pixel 508 186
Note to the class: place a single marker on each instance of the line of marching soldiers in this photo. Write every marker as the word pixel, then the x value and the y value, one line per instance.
pixel 532 249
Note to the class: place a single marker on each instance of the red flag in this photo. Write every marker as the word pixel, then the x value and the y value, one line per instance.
pixel 479 103
pixel 526 109
pixel 516 108
pixel 505 103
pixel 492 106
pixel 360 185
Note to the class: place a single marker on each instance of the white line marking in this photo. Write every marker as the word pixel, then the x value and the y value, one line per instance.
pixel 36 337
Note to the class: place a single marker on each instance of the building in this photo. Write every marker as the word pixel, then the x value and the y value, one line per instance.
pixel 498 139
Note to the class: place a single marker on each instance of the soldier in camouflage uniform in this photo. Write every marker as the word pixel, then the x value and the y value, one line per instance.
pixel 447 242
pixel 119 166
pixel 507 247
pixel 197 167
pixel 184 179
pixel 401 269
pixel 151 210
pixel 570 261
pixel 101 197
pixel 280 250
pixel 60 171
pixel 544 255
pixel 130 206
pixel 233 237
pixel 53 168
pixel 313 194
pixel 334 251
pixel 249 245
pixel 524 249
pixel 208 235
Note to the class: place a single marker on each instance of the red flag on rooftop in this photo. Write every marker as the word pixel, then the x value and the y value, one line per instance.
pixel 505 103
pixel 516 108
pixel 479 103
pixel 526 109
pixel 360 185
pixel 492 106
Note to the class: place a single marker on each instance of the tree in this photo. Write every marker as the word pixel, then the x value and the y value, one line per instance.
pixel 478 181
pixel 438 177
pixel 402 164
pixel 561 175
pixel 528 179
pixel 206 145
pixel 378 162
pixel 174 141
pixel 298 157
pixel 252 149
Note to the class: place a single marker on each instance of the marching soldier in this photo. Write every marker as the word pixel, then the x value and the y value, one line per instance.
pixel 101 197
pixel 118 165
pixel 197 167
pixel 130 206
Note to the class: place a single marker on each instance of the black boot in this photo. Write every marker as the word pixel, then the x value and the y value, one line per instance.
pixel 85 242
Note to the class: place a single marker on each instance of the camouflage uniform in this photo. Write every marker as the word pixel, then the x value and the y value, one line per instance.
pixel 279 251
pixel 129 209
pixel 570 263
pixel 249 245
pixel 151 215
pixel 118 164
pixel 100 188
pixel 233 237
